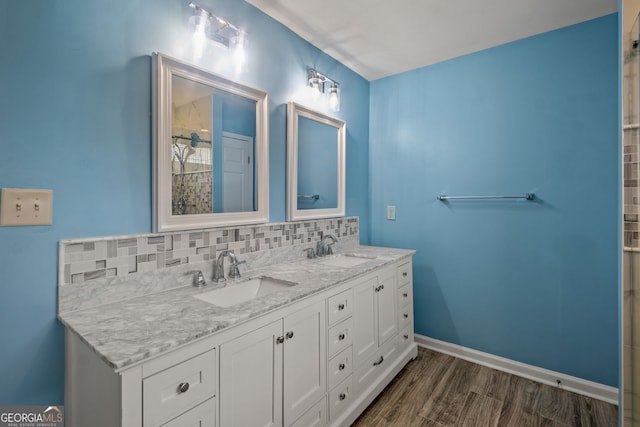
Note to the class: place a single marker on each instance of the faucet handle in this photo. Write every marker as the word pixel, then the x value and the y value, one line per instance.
pixel 311 253
pixel 198 278
pixel 234 271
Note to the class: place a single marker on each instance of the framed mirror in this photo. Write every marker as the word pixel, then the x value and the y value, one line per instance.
pixel 211 149
pixel 315 164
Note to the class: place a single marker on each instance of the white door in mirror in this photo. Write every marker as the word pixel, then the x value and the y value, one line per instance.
pixel 25 207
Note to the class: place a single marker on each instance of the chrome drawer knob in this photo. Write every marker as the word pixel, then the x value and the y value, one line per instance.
pixel 406 316
pixel 343 396
pixel 341 367
pixel 405 294
pixel 404 274
pixel 341 307
pixel 341 337
pixel 183 387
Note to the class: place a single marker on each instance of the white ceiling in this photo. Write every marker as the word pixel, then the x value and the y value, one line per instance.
pixel 378 38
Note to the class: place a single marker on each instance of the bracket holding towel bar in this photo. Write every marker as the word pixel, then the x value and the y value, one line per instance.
pixel 527 196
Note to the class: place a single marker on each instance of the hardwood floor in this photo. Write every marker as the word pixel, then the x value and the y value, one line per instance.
pixel 437 390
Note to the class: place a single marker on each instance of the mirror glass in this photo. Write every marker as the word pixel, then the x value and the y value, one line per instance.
pixel 315 164
pixel 211 149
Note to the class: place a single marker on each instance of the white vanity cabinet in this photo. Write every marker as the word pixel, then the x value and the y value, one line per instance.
pixel 274 374
pixel 319 361
pixel 374 314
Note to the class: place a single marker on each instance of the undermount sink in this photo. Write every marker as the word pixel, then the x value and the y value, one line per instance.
pixel 345 260
pixel 236 293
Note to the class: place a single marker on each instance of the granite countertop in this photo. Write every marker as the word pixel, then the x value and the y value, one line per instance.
pixel 136 329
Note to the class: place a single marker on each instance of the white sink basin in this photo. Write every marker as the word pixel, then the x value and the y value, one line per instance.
pixel 345 260
pixel 236 293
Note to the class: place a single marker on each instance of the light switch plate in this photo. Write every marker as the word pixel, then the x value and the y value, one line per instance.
pixel 391 213
pixel 20 206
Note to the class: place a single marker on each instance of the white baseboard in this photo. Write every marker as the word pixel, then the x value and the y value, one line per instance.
pixel 577 385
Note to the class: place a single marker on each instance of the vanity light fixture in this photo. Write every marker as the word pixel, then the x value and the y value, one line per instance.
pixel 317 82
pixel 209 26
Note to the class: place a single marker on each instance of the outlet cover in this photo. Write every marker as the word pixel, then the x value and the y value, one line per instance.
pixel 20 206
pixel 391 213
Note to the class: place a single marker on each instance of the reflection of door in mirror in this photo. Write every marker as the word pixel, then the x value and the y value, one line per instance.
pixel 317 165
pixel 237 171
pixel 211 172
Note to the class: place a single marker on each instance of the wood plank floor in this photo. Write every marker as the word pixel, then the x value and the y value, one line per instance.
pixel 437 390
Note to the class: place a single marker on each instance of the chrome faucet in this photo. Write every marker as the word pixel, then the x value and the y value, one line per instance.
pixel 326 248
pixel 218 267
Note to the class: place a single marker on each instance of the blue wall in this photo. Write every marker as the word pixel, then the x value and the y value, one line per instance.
pixel 75 105
pixel 531 281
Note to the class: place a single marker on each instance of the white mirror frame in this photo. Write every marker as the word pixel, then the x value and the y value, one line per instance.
pixel 294 111
pixel 164 68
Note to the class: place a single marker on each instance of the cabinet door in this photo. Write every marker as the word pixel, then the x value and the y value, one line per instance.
pixel 305 360
pixel 251 379
pixel 387 317
pixel 365 332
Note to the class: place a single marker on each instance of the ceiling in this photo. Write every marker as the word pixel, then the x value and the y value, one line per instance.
pixel 380 38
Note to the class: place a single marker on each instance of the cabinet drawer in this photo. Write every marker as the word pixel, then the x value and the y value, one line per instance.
pixel 340 336
pixel 340 367
pixel 405 338
pixel 340 398
pixel 405 317
pixel 202 415
pixel 176 389
pixel 370 370
pixel 405 295
pixel 405 274
pixel 314 417
pixel 340 306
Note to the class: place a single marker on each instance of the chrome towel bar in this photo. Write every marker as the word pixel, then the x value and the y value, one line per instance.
pixel 309 196
pixel 443 198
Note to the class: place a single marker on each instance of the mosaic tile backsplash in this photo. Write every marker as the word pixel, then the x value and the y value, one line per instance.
pixel 101 270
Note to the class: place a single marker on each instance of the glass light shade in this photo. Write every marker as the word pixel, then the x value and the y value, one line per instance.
pixel 334 98
pixel 240 53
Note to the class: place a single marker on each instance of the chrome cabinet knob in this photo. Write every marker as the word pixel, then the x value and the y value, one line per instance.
pixel 341 337
pixel 341 367
pixel 183 387
pixel 343 396
pixel 340 307
pixel 289 334
pixel 279 340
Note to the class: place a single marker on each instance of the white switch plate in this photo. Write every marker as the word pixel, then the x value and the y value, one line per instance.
pixel 391 213
pixel 20 206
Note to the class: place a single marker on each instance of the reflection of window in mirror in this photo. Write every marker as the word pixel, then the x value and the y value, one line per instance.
pixel 317 165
